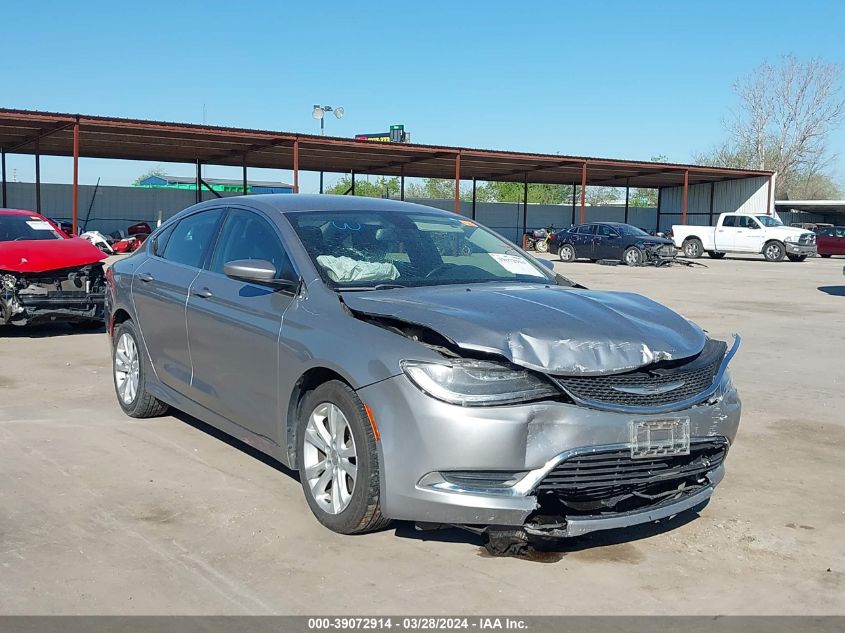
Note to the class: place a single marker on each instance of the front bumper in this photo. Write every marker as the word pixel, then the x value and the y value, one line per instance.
pixel 793 248
pixel 422 437
pixel 56 305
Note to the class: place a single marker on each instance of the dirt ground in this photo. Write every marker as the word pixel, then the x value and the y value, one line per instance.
pixel 101 514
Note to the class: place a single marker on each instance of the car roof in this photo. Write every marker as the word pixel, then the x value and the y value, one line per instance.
pixel 18 212
pixel 299 202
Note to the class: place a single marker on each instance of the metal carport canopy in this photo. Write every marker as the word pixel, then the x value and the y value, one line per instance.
pixel 49 133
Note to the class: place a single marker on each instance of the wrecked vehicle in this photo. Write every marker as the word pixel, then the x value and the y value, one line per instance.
pixel 476 389
pixel 46 275
pixel 611 241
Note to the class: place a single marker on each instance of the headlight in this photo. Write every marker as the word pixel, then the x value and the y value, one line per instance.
pixel 476 383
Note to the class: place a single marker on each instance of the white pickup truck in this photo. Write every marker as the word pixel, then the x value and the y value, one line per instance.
pixel 744 233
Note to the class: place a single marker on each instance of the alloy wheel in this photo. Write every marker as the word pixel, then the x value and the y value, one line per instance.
pixel 632 257
pixel 567 254
pixel 330 459
pixel 127 368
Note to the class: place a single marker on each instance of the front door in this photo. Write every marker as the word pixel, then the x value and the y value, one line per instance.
pixel 749 235
pixel 234 326
pixel 160 291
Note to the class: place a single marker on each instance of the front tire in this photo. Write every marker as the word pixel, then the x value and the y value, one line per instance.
pixel 129 372
pixel 825 256
pixel 693 248
pixel 542 246
pixel 632 256
pixel 567 253
pixel 715 255
pixel 774 251
pixel 797 258
pixel 338 460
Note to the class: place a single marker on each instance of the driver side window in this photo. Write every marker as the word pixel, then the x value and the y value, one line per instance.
pixel 246 235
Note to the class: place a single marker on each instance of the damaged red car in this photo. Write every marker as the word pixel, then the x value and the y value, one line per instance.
pixel 46 275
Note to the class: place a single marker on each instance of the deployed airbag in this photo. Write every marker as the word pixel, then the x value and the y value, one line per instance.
pixel 345 269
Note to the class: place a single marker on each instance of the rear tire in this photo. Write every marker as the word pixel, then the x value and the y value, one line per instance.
pixel 715 254
pixel 693 248
pixel 774 251
pixel 566 253
pixel 335 439
pixel 129 370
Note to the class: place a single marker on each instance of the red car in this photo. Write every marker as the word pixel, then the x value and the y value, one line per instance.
pixel 46 275
pixel 830 240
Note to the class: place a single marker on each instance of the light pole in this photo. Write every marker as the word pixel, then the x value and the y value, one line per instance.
pixel 319 112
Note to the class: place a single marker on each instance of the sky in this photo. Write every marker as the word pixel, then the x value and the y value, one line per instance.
pixel 609 79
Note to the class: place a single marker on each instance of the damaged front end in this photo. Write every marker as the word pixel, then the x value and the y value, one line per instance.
pixel 73 294
pixel 528 428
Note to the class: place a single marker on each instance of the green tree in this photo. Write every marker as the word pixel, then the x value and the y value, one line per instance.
pixel 538 193
pixel 153 171
pixel 382 187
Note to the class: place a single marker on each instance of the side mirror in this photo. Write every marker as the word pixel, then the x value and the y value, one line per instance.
pixel 256 270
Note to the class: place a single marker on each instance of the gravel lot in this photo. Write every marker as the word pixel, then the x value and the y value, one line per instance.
pixel 100 514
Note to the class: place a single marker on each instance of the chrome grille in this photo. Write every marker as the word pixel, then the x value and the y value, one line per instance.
pixel 659 384
pixel 807 238
pixel 607 474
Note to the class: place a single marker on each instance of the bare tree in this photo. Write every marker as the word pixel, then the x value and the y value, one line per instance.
pixel 786 115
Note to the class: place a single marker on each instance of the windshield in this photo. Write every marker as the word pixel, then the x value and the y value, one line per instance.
pixel 17 228
pixel 767 220
pixel 366 249
pixel 627 229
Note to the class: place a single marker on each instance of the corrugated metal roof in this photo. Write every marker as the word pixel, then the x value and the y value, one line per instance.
pixel 133 139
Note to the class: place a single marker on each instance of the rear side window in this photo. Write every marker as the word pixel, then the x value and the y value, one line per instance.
pixel 840 231
pixel 585 229
pixel 190 240
pixel 729 220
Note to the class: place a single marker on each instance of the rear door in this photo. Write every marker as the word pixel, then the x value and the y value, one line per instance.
pixel 584 241
pixel 234 326
pixel 606 243
pixel 160 292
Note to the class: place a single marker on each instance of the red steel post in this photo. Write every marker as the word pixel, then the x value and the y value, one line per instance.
pixel 75 219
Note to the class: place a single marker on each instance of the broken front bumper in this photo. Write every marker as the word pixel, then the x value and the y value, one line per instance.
pixel 57 305
pixel 481 466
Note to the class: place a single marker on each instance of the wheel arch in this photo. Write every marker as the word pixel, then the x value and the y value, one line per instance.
pixel 308 381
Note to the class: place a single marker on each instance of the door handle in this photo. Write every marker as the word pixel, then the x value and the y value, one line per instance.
pixel 146 277
pixel 202 293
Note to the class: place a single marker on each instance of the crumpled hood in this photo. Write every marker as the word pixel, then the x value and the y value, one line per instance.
pixel 552 329
pixel 36 256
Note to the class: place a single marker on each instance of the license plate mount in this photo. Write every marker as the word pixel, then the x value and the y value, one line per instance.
pixel 659 438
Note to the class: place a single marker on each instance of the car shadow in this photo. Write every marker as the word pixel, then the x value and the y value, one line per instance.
pixel 235 443
pixel 604 538
pixel 835 291
pixel 48 330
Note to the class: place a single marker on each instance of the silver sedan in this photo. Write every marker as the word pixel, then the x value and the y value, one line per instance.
pixel 413 365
